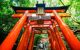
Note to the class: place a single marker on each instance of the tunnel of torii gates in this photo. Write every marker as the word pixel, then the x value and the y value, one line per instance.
pixel 40 18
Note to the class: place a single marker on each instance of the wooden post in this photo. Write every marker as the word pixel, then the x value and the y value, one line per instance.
pixel 31 42
pixel 24 40
pixel 12 36
pixel 68 34
pixel 55 45
pixel 61 44
pixel 51 40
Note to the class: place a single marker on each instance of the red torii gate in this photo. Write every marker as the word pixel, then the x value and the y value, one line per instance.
pixel 27 39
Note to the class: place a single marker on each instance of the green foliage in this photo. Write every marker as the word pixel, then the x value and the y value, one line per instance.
pixel 38 38
pixel 74 10
pixel 6 21
pixel 74 21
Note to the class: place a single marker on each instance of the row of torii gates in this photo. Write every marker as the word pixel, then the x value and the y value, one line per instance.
pixel 40 17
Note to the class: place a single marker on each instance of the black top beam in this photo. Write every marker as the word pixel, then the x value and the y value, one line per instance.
pixel 40 5
pixel 23 8
pixel 34 8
